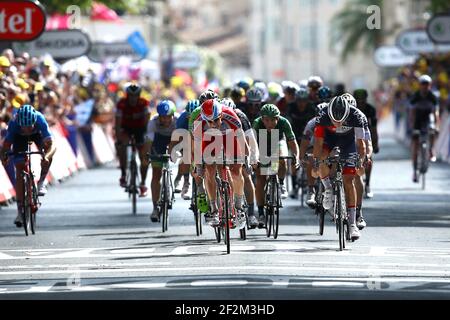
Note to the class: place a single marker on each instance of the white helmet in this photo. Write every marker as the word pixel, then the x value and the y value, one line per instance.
pixel 350 99
pixel 425 79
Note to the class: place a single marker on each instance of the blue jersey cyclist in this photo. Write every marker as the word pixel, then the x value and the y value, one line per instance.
pixel 28 125
pixel 159 134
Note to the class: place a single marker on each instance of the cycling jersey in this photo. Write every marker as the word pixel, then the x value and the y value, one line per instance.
pixel 371 114
pixel 160 136
pixel 19 140
pixel 344 137
pixel 230 121
pixel 246 125
pixel 41 127
pixel 283 126
pixel 183 121
pixel 133 116
pixel 251 114
pixel 299 119
pixel 424 107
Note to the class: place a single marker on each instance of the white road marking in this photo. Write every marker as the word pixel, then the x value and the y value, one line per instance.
pixel 139 285
pixel 377 251
pixel 439 273
pixel 217 283
pixel 337 284
pixel 131 250
pixel 85 265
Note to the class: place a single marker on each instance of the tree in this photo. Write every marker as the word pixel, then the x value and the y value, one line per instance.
pixel 350 27
pixel 439 6
pixel 120 6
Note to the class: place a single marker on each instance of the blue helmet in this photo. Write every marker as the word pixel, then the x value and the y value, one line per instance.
pixel 166 108
pixel 324 93
pixel 26 116
pixel 192 105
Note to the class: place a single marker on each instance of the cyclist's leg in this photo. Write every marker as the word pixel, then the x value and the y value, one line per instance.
pixel 237 183
pixel 211 186
pixel 249 189
pixel 156 182
pixel 142 146
pixel 282 170
pixel 123 138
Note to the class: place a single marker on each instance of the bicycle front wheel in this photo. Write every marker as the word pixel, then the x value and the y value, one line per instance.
pixel 34 206
pixel 276 212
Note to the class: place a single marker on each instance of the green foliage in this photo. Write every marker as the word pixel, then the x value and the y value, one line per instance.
pixel 350 28
pixel 120 6
pixel 439 6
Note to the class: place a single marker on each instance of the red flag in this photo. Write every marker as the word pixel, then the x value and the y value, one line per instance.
pixel 57 22
pixel 102 12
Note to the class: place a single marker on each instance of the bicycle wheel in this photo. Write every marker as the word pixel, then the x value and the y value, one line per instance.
pixel 198 220
pixel 34 206
pixel 269 221
pixel 321 213
pixel 227 216
pixel 302 187
pixel 165 202
pixel 276 211
pixel 26 211
pixel 243 232
pixel 133 185
pixel 340 220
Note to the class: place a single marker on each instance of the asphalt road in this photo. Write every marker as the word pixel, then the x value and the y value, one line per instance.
pixel 88 245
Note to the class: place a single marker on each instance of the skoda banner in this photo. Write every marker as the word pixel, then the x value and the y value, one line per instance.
pixel 60 44
pixel 391 56
pixel 110 51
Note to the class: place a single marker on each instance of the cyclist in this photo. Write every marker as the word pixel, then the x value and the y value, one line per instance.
pixel 424 115
pixel 289 90
pixel 132 115
pixel 340 124
pixel 249 187
pixel 324 94
pixel 300 113
pixel 271 119
pixel 183 169
pixel 207 95
pixel 253 105
pixel 217 121
pixel 261 86
pixel 314 84
pixel 275 93
pixel 370 112
pixel 159 133
pixel 28 124
pixel 237 94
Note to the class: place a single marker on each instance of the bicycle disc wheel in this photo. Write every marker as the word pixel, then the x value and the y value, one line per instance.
pixel 243 234
pixel 340 221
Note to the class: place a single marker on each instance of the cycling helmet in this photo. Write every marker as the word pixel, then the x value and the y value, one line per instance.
pixel 211 110
pixel 350 99
pixel 228 103
pixel 134 90
pixel 270 110
pixel 237 93
pixel 315 82
pixel 166 108
pixel 324 93
pixel 192 105
pixel 425 79
pixel 26 116
pixel 290 87
pixel 361 94
pixel 275 90
pixel 254 95
pixel 322 105
pixel 207 95
pixel 261 86
pixel 339 109
pixel 244 84
pixel 302 94
pixel 303 84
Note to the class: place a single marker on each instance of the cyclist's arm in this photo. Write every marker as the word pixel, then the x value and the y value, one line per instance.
pixel 253 145
pixel 290 137
pixel 303 147
pixel 319 134
pixel 118 122
pixel 49 148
